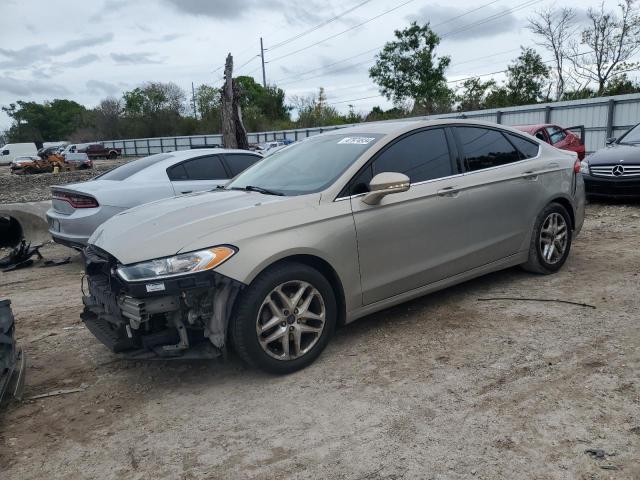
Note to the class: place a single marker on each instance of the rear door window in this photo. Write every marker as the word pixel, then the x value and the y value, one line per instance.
pixel 485 148
pixel 237 162
pixel 205 168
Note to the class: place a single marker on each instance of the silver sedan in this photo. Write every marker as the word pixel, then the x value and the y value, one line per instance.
pixel 79 208
pixel 326 231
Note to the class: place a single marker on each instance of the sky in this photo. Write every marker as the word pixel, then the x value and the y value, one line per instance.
pixel 88 50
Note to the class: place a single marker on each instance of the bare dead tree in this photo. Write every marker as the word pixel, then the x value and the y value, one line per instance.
pixel 234 134
pixel 607 44
pixel 554 28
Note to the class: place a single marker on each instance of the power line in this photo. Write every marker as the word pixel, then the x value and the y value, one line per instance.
pixel 296 79
pixel 316 27
pixel 491 18
pixel 451 81
pixel 485 20
pixel 341 33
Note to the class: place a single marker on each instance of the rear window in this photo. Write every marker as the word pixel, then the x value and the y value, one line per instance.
pixel 125 171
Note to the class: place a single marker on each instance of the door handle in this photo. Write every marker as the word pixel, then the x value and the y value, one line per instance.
pixel 448 192
pixel 530 175
pixel 187 191
pixel 553 165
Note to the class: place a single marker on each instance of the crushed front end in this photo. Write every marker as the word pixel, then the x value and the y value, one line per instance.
pixel 181 317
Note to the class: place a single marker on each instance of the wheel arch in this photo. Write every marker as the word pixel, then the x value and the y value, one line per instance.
pixel 566 203
pixel 326 269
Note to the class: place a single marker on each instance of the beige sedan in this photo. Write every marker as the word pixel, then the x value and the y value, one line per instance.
pixel 324 232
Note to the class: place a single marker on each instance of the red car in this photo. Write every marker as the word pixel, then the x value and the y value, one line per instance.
pixel 559 137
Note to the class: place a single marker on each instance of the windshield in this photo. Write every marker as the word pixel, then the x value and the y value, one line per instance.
pixel 125 171
pixel 632 136
pixel 308 166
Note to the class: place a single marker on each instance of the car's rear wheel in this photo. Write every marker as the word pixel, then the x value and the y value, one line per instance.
pixel 551 240
pixel 284 319
pixel 113 155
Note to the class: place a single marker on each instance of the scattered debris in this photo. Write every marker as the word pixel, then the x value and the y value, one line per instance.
pixel 635 430
pixel 536 300
pixel 596 452
pixel 20 257
pixel 55 263
pixel 57 392
pixel 609 467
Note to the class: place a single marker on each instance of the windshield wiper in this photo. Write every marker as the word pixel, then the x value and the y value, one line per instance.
pixel 252 188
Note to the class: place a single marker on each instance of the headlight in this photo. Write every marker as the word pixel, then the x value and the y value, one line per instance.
pixel 584 167
pixel 177 265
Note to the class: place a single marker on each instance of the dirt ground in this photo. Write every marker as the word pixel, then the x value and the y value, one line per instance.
pixel 443 387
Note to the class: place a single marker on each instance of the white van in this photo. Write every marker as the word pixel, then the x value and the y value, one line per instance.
pixel 11 151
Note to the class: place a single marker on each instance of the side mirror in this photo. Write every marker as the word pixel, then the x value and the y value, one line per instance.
pixel 611 140
pixel 386 183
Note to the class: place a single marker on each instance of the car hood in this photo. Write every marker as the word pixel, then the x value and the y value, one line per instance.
pixel 167 227
pixel 617 153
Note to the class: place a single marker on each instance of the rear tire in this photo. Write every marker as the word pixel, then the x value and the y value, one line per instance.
pixel 275 330
pixel 113 155
pixel 550 241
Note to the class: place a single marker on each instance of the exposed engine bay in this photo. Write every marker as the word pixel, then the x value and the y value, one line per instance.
pixel 183 317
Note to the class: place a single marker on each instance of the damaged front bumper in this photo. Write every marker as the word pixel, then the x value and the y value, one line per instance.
pixel 181 317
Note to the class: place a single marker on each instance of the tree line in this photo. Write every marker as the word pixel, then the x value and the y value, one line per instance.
pixel 587 59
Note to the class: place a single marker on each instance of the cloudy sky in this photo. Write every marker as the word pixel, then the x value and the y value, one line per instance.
pixel 88 50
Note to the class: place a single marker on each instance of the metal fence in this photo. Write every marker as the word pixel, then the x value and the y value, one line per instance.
pixel 602 118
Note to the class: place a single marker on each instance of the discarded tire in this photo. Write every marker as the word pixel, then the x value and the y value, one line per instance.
pixel 12 359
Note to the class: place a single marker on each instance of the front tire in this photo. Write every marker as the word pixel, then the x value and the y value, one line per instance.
pixel 550 241
pixel 284 319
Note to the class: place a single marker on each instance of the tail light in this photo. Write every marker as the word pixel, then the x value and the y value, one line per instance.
pixel 76 200
pixel 576 166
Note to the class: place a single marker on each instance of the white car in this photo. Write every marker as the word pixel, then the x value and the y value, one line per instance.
pixel 78 209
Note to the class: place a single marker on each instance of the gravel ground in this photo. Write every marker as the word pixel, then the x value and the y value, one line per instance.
pixel 33 188
pixel 443 387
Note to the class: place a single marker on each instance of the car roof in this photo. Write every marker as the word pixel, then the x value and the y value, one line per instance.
pixel 397 127
pixel 179 155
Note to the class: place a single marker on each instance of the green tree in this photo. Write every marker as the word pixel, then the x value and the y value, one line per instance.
pixel 314 111
pixel 154 109
pixel 48 121
pixel 474 94
pixel 621 85
pixel 378 114
pixel 408 69
pixel 527 77
pixel 208 105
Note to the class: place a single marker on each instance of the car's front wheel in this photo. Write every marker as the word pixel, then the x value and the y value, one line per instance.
pixel 284 319
pixel 551 240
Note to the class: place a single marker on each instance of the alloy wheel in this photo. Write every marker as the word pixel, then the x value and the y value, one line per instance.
pixel 290 320
pixel 553 238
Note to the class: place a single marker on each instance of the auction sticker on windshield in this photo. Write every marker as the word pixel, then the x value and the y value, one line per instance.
pixel 356 140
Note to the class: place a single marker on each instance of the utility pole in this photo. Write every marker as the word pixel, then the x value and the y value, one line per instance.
pixel 264 75
pixel 193 100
